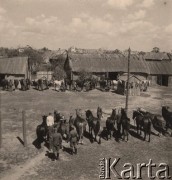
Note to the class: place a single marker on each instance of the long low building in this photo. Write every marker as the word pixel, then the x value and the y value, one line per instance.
pixel 111 65
pixel 14 68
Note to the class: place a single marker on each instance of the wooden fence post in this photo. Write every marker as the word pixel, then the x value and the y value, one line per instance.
pixel 0 128
pixel 24 128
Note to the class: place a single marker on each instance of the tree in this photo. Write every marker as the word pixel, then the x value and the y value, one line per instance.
pixel 59 73
pixel 35 58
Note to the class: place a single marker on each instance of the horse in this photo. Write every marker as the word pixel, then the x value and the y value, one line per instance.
pixel 40 84
pixel 99 112
pixel 157 120
pixel 23 84
pixel 42 130
pixel 142 122
pixel 28 83
pixel 4 84
pixel 57 116
pixel 110 123
pixel 80 124
pixel 94 125
pixel 10 85
pixel 58 84
pixel 125 122
pixel 167 114
pixel 16 83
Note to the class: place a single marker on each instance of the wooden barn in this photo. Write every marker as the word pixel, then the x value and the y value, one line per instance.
pixel 44 71
pixel 14 68
pixel 108 64
pixel 160 66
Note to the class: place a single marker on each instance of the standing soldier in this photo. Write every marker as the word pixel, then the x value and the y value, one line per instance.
pixel 56 143
pixel 73 138
pixel 50 123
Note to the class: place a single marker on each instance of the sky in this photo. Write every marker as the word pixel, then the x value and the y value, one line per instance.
pixel 108 24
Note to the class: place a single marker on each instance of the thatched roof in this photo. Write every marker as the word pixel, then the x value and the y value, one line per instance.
pixel 156 56
pixel 106 62
pixel 14 65
pixel 163 67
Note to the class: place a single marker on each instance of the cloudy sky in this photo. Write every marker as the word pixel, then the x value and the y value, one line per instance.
pixel 110 24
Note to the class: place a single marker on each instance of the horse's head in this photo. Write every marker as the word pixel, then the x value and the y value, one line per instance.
pixel 113 112
pixel 123 112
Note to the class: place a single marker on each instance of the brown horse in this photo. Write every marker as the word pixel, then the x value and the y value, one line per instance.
pixel 167 114
pixel 125 122
pixel 99 112
pixel 110 123
pixel 94 125
pixel 80 123
pixel 143 122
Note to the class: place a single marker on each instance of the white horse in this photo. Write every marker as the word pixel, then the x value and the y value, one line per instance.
pixel 114 82
pixel 57 84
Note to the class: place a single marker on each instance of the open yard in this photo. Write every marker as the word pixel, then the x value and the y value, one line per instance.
pixel 17 162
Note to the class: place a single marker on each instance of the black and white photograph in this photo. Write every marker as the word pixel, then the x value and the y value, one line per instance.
pixel 85 89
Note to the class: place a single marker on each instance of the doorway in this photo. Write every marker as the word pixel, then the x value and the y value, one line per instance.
pixel 164 80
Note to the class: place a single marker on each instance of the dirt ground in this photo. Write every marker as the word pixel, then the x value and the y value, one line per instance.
pixel 17 162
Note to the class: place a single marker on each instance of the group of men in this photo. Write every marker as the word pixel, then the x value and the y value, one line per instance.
pixel 55 137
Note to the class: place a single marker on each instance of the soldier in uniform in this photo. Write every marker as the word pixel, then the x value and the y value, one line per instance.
pixel 73 138
pixel 56 143
pixel 50 123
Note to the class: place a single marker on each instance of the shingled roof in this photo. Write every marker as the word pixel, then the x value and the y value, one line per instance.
pixel 106 62
pixel 14 65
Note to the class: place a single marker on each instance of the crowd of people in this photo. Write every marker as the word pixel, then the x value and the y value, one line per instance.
pixel 54 135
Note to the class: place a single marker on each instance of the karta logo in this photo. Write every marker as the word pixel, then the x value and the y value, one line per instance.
pixel 108 170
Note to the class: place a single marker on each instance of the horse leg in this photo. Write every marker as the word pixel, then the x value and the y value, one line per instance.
pixel 144 135
pixel 99 139
pixel 149 136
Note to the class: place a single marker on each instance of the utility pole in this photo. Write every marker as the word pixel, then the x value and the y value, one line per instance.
pixel 0 125
pixel 128 78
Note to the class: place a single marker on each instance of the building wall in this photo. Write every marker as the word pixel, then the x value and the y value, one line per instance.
pixel 153 79
pixel 15 76
pixel 170 81
pixel 47 74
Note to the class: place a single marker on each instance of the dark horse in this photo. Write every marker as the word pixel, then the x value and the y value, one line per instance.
pixel 157 121
pixel 41 132
pixel 110 123
pixel 167 114
pixel 125 122
pixel 94 125
pixel 23 84
pixel 99 112
pixel 143 122
pixel 16 83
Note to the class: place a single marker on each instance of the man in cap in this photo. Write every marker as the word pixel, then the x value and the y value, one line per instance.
pixel 50 123
pixel 73 138
pixel 56 143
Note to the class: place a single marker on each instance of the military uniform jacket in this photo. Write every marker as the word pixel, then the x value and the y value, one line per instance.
pixel 57 139
pixel 73 136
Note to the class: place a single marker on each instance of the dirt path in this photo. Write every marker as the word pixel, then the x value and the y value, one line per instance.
pixel 18 171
